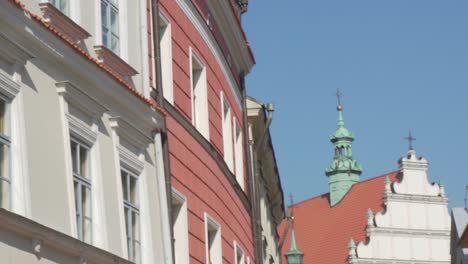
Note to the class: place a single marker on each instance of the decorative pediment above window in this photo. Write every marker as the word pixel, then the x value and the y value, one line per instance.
pixel 78 99
pixel 12 57
pixel 63 23
pixel 140 137
pixel 114 62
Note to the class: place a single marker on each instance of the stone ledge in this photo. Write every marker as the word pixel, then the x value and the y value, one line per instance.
pixel 114 62
pixel 63 23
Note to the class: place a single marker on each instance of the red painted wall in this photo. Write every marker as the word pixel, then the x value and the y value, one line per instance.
pixel 194 171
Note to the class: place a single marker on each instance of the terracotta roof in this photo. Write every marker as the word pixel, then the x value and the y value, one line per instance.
pixel 323 232
pixel 85 54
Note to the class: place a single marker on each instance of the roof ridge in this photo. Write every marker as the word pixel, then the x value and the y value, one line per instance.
pixel 328 193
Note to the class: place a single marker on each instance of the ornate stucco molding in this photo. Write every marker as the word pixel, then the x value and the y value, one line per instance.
pixel 427 233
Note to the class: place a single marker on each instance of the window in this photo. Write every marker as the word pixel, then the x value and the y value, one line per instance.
pixel 213 241
pixel 5 142
pixel 131 214
pixel 239 254
pixel 239 161
pixel 199 96
pixel 180 227
pixel 166 58
pixel 227 133
pixel 82 186
pixel 62 5
pixel 110 25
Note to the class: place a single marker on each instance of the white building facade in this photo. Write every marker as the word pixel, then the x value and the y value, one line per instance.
pixel 82 175
pixel 267 190
pixel 415 227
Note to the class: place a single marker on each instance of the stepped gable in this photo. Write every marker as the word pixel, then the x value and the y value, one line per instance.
pixel 323 232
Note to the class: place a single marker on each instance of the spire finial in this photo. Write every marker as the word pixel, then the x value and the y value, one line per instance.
pixel 339 95
pixel 294 254
pixel 291 200
pixel 410 139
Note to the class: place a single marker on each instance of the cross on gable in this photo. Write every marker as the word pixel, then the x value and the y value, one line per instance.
pixel 410 139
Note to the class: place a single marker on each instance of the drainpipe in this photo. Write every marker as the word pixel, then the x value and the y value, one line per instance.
pixel 163 135
pixel 163 202
pixel 250 173
pixel 254 175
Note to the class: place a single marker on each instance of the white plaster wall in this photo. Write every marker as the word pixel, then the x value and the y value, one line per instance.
pixel 415 226
pixel 46 132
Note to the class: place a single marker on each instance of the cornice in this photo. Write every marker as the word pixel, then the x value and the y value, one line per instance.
pixel 8 86
pixel 13 52
pixel 140 138
pixel 232 33
pixel 412 198
pixel 130 160
pixel 426 233
pixel 45 238
pixel 81 130
pixel 80 99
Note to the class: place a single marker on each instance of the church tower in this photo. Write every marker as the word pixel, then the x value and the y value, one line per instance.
pixel 343 171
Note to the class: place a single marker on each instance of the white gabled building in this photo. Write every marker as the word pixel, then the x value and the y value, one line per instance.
pixel 415 226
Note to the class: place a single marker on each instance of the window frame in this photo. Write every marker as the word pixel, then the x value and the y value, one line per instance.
pixel 165 42
pixel 211 223
pixel 130 207
pixel 180 227
pixel 237 249
pixel 107 6
pixel 199 98
pixel 238 153
pixel 81 182
pixel 226 119
pixel 5 140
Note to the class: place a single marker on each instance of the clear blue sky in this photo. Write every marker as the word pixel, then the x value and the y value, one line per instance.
pixel 401 65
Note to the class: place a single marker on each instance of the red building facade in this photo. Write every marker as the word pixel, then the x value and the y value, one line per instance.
pixel 203 55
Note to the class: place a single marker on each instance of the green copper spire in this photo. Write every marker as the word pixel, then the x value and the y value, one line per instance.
pixel 294 254
pixel 343 171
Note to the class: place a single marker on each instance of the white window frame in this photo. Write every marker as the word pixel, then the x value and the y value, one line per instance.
pixel 214 253
pixel 226 118
pixel 80 182
pixel 85 131
pixel 165 42
pixel 5 141
pixel 180 227
pixel 199 95
pixel 132 207
pixel 238 154
pixel 238 251
pixel 111 5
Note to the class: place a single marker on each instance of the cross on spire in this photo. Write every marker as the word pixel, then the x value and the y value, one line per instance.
pixel 410 139
pixel 291 200
pixel 339 95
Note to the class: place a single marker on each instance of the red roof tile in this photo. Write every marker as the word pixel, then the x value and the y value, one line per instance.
pixel 85 54
pixel 323 232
